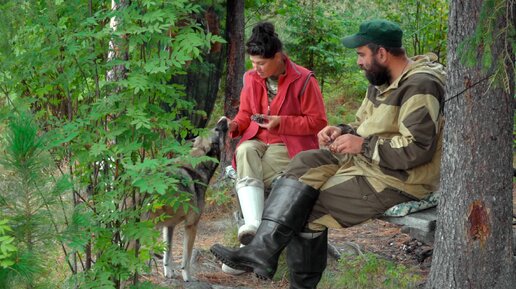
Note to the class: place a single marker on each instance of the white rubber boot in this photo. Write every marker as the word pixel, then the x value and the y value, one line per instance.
pixel 228 270
pixel 251 200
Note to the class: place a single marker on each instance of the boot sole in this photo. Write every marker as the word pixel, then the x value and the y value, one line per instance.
pixel 247 268
pixel 263 276
pixel 230 263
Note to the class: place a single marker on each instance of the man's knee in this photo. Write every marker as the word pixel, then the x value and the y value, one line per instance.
pixel 312 167
pixel 307 160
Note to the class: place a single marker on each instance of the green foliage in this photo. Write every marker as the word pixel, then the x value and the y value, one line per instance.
pixel 25 184
pixel 341 110
pixel 28 199
pixel 424 24
pixel 7 248
pixel 26 272
pixel 231 237
pixel 312 30
pixel 314 34
pixel 369 271
pixel 219 196
pixel 220 193
pixel 112 119
pixel 23 147
pixel 478 50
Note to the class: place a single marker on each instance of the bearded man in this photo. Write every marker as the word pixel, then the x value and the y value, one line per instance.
pixel 390 155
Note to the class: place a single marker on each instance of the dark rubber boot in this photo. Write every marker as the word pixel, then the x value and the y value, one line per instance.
pixel 284 215
pixel 306 259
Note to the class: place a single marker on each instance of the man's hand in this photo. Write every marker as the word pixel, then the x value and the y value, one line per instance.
pixel 327 135
pixel 347 143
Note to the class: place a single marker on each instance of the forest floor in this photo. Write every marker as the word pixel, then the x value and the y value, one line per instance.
pixel 376 236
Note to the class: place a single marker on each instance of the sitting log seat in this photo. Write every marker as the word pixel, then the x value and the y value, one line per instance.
pixel 417 218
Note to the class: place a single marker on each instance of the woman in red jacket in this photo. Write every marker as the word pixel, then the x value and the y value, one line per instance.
pixel 281 111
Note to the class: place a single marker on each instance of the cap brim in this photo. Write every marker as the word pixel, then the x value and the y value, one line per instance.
pixel 355 41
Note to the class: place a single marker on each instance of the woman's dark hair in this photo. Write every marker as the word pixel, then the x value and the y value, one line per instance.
pixel 264 41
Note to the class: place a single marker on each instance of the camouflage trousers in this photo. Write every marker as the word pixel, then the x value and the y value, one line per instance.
pixel 344 200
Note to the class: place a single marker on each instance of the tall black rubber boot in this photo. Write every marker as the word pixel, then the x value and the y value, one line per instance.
pixel 307 254
pixel 284 215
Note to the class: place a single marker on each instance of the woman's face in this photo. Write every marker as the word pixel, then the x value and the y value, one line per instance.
pixel 267 67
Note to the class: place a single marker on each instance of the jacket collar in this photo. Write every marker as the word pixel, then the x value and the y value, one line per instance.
pixel 291 73
pixel 420 64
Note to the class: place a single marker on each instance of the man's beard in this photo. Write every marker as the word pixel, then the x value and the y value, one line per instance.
pixel 377 74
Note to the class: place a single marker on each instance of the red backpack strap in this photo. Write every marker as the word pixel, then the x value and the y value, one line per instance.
pixel 305 84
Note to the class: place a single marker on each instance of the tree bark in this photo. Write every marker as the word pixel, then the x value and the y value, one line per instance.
pixel 235 66
pixel 473 245
pixel 203 76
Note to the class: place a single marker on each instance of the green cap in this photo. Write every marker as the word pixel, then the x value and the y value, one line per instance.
pixel 378 31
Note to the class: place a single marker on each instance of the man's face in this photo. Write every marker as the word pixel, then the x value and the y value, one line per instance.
pixel 266 67
pixel 375 72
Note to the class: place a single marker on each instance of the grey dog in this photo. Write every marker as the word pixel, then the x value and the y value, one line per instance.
pixel 197 178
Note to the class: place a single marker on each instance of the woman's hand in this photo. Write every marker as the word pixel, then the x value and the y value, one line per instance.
pixel 271 121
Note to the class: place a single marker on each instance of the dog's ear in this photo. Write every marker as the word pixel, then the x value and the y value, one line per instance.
pixel 222 124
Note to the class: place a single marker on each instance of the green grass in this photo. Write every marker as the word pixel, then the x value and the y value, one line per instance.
pixel 369 272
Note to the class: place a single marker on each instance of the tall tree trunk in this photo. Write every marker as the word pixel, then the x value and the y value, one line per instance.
pixel 203 76
pixel 473 247
pixel 235 66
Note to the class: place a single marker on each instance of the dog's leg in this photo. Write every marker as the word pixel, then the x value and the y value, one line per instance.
pixel 168 232
pixel 188 242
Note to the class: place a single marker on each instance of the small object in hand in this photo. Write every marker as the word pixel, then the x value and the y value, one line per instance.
pixel 259 118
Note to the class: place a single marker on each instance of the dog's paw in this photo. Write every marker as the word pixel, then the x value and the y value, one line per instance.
pixel 186 276
pixel 168 272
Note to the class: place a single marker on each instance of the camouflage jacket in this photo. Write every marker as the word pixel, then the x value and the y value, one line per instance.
pixel 402 125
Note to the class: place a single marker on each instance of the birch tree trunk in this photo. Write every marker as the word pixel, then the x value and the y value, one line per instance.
pixel 116 50
pixel 473 245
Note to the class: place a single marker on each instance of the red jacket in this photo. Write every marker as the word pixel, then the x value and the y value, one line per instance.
pixel 302 116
